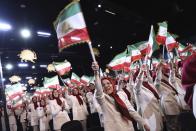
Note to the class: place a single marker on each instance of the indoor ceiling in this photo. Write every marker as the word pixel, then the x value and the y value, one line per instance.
pixel 111 24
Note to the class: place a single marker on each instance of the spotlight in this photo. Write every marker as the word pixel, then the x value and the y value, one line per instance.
pixel 5 26
pixel 9 66
pixel 25 33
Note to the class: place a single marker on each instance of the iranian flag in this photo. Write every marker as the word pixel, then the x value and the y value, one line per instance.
pixel 85 79
pixel 120 60
pixel 14 90
pixel 126 76
pixel 75 79
pixel 62 68
pixel 52 83
pixel 155 62
pixel 152 44
pixel 162 33
pixel 142 47
pixel 70 26
pixel 135 53
pixel 170 42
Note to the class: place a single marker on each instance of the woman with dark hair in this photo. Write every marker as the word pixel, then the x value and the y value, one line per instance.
pixel 78 105
pixel 12 118
pixel 59 109
pixel 33 113
pixel 43 111
pixel 23 116
pixel 117 110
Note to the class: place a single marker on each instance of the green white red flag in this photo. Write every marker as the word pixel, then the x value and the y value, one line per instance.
pixel 135 53
pixel 142 47
pixel 120 60
pixel 162 33
pixel 62 68
pixel 152 44
pixel 75 79
pixel 85 79
pixel 52 83
pixel 70 26
pixel 14 91
pixel 170 42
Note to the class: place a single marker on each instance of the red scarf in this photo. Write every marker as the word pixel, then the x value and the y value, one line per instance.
pixel 80 101
pixel 58 101
pixel 128 93
pixel 188 77
pixel 121 107
pixel 148 86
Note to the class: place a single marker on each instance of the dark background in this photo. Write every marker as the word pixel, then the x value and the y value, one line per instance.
pixel 131 23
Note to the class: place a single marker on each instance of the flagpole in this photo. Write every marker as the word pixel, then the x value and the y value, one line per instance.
pixel 163 52
pixel 91 51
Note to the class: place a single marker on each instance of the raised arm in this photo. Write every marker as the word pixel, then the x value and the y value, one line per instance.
pixel 139 81
pixel 99 91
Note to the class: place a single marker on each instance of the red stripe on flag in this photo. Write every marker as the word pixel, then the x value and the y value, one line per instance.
pixel 64 71
pixel 66 40
pixel 160 39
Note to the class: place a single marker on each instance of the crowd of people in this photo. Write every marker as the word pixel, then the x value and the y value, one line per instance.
pixel 150 100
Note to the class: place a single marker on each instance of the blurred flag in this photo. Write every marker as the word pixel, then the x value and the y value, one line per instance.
pixel 162 33
pixel 62 68
pixel 52 83
pixel 70 26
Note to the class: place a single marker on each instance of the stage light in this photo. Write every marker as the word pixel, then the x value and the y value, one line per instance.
pixel 99 5
pixel 25 33
pixel 23 65
pixel 9 66
pixel 43 34
pixel 5 26
pixel 110 47
pixel 33 67
pixel 99 45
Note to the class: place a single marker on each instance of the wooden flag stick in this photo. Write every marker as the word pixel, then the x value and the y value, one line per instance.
pixel 91 50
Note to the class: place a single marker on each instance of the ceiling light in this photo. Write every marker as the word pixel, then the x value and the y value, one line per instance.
pixel 9 66
pixel 23 65
pixel 43 34
pixel 43 66
pixel 99 45
pixel 110 47
pixel 110 12
pixel 33 67
pixel 5 26
pixel 28 77
pixel 25 33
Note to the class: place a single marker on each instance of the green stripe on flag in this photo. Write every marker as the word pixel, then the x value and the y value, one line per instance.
pixel 70 10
